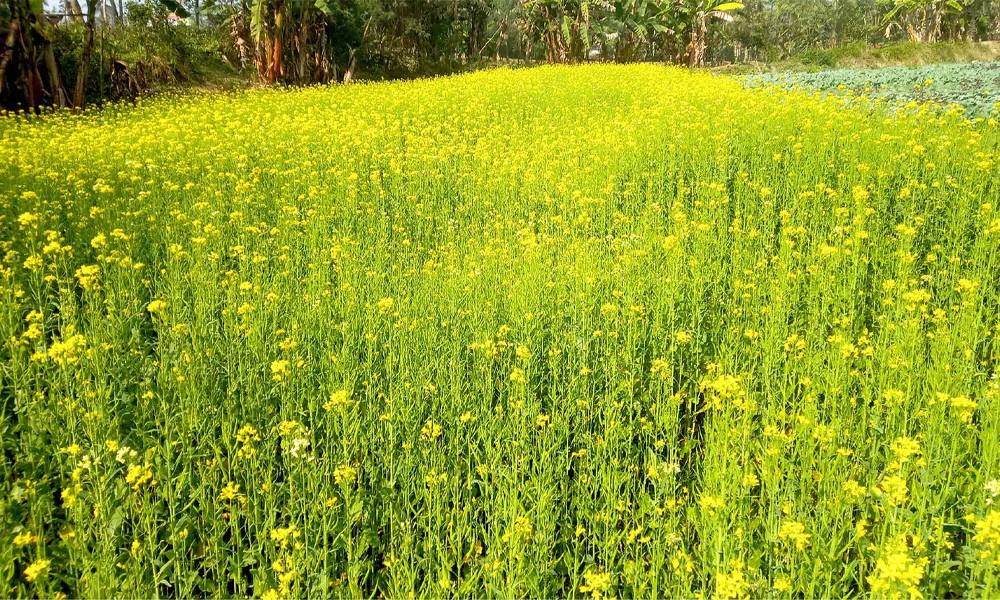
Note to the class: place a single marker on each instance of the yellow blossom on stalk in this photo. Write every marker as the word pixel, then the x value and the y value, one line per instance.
pixel 435 478
pixel 385 305
pixel 710 504
pixel 897 573
pixel 24 538
pixel 247 437
pixel 337 400
pixel 36 569
pixel 732 585
pixel 964 407
pixel 33 262
pixel 138 475
pixel 681 561
pixel 88 276
pixel 854 489
pixel 27 219
pixel 895 490
pixel 894 397
pixel 230 492
pixel 782 584
pixel 683 337
pixel 67 351
pixel 794 533
pixel 345 473
pixel 727 389
pixel 795 344
pixel 903 449
pixel 597 583
pixel 284 568
pixel 521 530
pixel 289 427
pixel 285 537
pixel 988 534
pixel 156 307
pixel 518 376
pixel 660 368
pixel 861 527
pixel 523 354
pixel 430 430
pixel 71 493
pixel 34 320
pixel 280 370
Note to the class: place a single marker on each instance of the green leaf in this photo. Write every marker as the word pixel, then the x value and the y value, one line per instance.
pixel 323 6
pixel 257 9
pixel 175 7
pixel 567 30
pixel 37 6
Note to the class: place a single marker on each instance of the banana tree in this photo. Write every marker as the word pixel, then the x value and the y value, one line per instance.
pixel 290 39
pixel 563 27
pixel 632 25
pixel 702 11
pixel 920 18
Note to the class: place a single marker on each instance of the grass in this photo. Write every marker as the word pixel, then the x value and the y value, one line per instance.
pixel 514 333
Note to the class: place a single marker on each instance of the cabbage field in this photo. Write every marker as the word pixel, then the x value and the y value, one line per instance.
pixel 597 331
pixel 974 87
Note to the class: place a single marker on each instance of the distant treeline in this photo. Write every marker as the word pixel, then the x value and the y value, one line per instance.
pixel 112 49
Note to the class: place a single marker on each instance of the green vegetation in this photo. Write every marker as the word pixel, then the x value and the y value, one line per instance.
pixel 301 42
pixel 515 333
pixel 974 86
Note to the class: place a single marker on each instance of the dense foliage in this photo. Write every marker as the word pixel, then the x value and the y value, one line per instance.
pixel 317 41
pixel 516 333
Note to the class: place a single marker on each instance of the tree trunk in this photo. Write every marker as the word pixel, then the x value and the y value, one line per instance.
pixel 77 10
pixel 83 67
pixel 275 71
pixel 8 48
pixel 55 82
pixel 696 48
pixel 72 10
pixel 551 46
pixel 349 73
pixel 301 49
pixel 935 32
pixel 112 14
pixel 477 26
pixel 33 79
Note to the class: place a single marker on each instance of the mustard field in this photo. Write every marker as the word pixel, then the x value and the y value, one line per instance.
pixel 601 331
